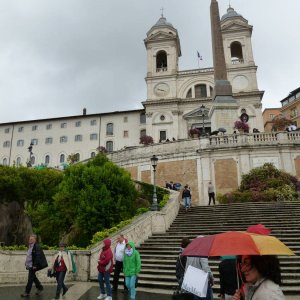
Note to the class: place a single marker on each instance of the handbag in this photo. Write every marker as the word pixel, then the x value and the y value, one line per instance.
pixel 51 273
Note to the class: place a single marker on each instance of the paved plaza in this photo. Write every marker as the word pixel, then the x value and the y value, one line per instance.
pixel 77 291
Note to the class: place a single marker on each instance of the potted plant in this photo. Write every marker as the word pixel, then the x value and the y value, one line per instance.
pixel 194 132
pixel 146 140
pixel 241 126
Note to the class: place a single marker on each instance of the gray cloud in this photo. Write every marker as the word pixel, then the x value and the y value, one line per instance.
pixel 58 56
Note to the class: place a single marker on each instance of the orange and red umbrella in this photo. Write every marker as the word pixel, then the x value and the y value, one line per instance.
pixel 236 243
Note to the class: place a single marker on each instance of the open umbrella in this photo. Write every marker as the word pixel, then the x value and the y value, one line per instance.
pixel 259 229
pixel 236 243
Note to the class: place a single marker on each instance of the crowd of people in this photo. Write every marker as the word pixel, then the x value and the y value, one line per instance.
pixel 123 258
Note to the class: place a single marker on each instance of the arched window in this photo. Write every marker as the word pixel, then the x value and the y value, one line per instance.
pixel 62 158
pixel 109 146
pixel 4 162
pixel 189 93
pixel 143 118
pixel 32 160
pixel 93 154
pixel 200 91
pixel 47 160
pixel 161 61
pixel 77 156
pixel 142 132
pixel 236 53
pixel 110 129
pixel 18 161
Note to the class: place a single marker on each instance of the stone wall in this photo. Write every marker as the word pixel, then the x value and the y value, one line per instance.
pixel 12 263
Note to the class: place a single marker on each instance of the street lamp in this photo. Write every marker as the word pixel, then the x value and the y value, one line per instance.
pixel 29 164
pixel 154 205
pixel 203 113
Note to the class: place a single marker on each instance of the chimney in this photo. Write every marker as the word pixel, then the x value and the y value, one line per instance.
pixel 84 111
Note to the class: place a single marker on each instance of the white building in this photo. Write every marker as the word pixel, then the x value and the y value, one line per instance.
pixel 176 101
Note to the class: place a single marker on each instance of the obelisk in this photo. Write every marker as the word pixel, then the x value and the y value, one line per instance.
pixel 224 109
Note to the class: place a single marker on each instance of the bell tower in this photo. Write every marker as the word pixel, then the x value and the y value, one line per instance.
pixel 163 50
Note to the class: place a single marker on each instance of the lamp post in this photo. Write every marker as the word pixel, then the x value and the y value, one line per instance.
pixel 154 205
pixel 29 164
pixel 203 114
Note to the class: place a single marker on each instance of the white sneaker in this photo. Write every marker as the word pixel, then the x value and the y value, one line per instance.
pixel 101 296
pixel 108 298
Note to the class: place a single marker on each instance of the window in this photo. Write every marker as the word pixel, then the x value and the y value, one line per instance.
pixel 48 126
pixel 48 140
pixel 271 117
pixel 63 125
pixel 109 146
pixel 142 132
pixel 18 162
pixel 78 138
pixel 6 144
pixel 93 122
pixel 20 143
pixel 77 156
pixel 93 136
pixel 34 141
pixel 162 117
pixel 200 91
pixel 110 129
pixel 6 130
pixel 21 129
pixel 32 160
pixel 62 158
pixel 236 53
pixel 161 61
pixel 125 133
pixel 4 162
pixel 189 93
pixel 93 154
pixel 162 135
pixel 63 139
pixel 47 160
pixel 34 127
pixel 78 124
pixel 125 119
pixel 142 118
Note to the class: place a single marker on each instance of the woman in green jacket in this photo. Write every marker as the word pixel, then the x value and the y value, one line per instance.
pixel 131 267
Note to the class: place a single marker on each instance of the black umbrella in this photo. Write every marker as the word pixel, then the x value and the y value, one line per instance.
pixel 223 130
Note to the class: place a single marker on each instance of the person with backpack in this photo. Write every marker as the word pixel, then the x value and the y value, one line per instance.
pixel 35 261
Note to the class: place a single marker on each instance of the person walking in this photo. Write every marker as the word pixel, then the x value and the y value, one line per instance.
pixel 119 257
pixel 35 261
pixel 186 196
pixel 61 263
pixel 211 193
pixel 105 267
pixel 132 267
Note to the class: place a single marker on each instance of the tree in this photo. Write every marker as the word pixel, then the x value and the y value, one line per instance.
pixel 92 197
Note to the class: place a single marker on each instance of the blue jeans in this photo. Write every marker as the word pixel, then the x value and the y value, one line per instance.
pixel 130 283
pixel 104 277
pixel 60 277
pixel 187 202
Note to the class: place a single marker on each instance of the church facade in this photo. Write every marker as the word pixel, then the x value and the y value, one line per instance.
pixel 177 101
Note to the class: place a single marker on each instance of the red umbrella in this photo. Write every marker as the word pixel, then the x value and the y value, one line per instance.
pixel 236 243
pixel 259 229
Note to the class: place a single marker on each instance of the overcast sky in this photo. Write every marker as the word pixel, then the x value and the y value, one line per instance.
pixel 59 56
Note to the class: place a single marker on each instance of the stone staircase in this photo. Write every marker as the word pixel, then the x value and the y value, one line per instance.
pixel 160 251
